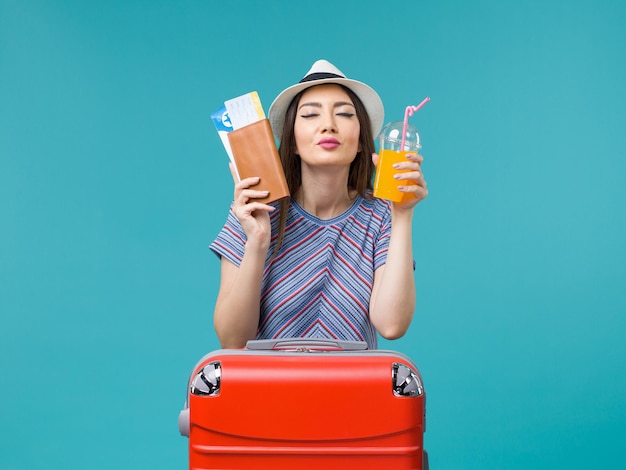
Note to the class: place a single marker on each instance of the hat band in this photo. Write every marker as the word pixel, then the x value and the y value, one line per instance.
pixel 320 76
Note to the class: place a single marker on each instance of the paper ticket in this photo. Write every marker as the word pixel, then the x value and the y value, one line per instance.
pixel 245 109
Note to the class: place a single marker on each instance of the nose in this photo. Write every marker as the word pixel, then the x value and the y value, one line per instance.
pixel 328 122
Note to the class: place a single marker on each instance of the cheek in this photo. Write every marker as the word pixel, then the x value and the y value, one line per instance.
pixel 301 125
pixel 354 138
pixel 297 138
pixel 297 142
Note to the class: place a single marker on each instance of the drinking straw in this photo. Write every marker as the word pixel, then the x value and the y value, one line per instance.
pixel 409 112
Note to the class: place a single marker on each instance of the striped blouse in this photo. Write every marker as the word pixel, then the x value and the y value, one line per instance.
pixel 320 282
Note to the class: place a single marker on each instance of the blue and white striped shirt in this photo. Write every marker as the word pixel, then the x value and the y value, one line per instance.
pixel 320 282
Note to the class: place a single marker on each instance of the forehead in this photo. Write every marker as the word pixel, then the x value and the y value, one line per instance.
pixel 328 92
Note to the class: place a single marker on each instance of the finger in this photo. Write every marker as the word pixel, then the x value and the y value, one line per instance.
pixel 375 159
pixel 410 175
pixel 413 186
pixel 419 192
pixel 407 165
pixel 233 172
pixel 251 181
pixel 254 194
pixel 415 157
pixel 252 207
pixel 245 183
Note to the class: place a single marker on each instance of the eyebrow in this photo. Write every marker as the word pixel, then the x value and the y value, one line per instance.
pixel 317 104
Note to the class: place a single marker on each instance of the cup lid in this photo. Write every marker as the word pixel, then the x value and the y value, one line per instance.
pixel 392 133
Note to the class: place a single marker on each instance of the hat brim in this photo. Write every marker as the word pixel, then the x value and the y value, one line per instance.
pixel 370 99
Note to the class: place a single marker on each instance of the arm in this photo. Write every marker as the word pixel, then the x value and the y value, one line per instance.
pixel 393 293
pixel 236 315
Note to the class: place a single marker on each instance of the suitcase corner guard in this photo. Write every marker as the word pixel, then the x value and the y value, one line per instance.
pixel 406 382
pixel 208 380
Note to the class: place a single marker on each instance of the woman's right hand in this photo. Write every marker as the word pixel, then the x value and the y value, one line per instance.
pixel 253 216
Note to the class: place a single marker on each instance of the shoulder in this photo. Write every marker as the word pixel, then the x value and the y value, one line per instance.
pixel 370 206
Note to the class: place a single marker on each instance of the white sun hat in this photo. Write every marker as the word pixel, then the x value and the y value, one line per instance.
pixel 322 72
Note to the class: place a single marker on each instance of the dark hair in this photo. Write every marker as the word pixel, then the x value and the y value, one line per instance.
pixel 361 169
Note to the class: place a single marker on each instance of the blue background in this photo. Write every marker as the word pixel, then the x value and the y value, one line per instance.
pixel 113 182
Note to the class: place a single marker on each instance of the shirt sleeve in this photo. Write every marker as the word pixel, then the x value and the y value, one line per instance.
pixel 231 240
pixel 384 235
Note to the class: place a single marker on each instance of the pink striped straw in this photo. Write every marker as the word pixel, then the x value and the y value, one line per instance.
pixel 409 112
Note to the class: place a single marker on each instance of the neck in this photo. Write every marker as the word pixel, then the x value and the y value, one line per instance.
pixel 325 195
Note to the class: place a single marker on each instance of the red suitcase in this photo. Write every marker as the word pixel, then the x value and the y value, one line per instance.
pixel 305 404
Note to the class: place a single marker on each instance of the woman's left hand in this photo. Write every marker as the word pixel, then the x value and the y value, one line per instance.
pixel 414 186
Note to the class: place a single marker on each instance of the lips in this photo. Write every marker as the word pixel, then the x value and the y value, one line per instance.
pixel 328 143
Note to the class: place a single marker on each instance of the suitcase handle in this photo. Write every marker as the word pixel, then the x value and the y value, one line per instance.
pixel 305 345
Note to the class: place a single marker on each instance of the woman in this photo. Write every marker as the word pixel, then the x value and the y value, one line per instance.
pixel 332 261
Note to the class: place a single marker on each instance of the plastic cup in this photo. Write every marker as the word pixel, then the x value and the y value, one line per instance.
pixel 390 151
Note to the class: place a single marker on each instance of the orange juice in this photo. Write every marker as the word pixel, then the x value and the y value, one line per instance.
pixel 385 185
